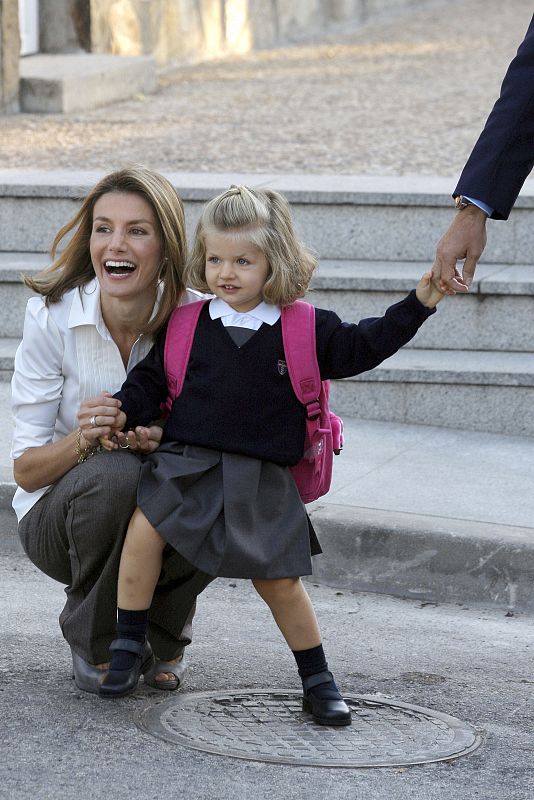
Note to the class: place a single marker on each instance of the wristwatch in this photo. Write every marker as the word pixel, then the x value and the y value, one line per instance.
pixel 462 202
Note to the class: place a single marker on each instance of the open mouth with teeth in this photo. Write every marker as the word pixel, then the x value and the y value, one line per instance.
pixel 119 267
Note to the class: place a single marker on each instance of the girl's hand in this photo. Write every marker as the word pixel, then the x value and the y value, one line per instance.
pixel 428 293
pixel 103 411
pixel 141 440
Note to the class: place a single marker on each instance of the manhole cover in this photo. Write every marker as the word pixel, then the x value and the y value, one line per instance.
pixel 271 726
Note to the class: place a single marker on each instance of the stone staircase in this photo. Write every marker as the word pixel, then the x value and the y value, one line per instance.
pixel 472 364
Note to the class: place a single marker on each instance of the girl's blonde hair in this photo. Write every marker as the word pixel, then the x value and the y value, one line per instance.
pixel 73 267
pixel 263 218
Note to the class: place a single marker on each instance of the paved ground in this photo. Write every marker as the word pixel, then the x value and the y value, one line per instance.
pixel 406 97
pixel 58 743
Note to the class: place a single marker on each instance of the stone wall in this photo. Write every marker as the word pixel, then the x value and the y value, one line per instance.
pixel 9 55
pixel 195 29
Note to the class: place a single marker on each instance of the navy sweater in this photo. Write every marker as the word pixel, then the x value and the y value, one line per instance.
pixel 240 399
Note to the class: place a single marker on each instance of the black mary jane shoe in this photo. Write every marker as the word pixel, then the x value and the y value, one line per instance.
pixel 119 682
pixel 86 676
pixel 330 709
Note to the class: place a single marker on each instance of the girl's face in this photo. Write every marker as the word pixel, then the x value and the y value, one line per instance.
pixel 125 245
pixel 236 270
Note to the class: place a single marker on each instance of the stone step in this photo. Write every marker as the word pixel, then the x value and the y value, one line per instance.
pixel 361 218
pixel 478 391
pixel 496 315
pixel 60 83
pixel 13 294
pixel 7 356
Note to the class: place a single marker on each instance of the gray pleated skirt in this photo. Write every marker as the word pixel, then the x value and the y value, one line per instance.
pixel 229 515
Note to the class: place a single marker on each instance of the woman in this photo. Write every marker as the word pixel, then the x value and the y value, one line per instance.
pixel 98 309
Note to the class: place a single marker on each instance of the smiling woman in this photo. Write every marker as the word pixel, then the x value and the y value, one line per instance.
pixel 98 307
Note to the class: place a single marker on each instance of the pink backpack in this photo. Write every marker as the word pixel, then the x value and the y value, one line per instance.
pixel 324 430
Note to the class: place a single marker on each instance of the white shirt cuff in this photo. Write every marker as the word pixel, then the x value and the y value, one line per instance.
pixel 483 206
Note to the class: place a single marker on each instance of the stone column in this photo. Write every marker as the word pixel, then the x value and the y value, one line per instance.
pixel 347 10
pixel 61 26
pixel 9 55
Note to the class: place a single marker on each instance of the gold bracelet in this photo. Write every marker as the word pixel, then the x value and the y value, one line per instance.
pixel 84 453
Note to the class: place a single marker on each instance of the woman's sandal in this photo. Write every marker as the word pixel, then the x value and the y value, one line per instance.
pixel 176 668
pixel 119 682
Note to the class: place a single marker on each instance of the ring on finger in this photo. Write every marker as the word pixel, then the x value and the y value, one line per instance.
pixel 124 446
pixel 92 421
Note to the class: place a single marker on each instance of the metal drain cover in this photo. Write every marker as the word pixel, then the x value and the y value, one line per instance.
pixel 271 726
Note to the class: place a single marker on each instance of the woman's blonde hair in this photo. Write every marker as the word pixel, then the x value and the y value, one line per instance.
pixel 263 218
pixel 73 267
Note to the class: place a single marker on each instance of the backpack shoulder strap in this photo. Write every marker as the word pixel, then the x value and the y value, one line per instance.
pixel 298 333
pixel 178 342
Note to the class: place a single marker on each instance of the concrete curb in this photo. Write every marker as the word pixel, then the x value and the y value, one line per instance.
pixel 423 557
pixel 415 556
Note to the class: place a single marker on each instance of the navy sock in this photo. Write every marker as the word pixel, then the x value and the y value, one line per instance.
pixel 311 662
pixel 130 625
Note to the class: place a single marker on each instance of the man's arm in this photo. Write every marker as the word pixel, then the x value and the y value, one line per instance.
pixel 500 162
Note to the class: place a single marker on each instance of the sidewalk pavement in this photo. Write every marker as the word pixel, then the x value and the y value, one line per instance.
pixel 414 511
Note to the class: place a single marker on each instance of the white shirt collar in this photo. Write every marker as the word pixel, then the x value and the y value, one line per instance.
pixel 265 312
pixel 86 310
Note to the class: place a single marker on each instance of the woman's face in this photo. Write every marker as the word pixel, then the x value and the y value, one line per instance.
pixel 125 245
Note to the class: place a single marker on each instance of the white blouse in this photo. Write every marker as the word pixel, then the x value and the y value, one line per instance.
pixel 66 356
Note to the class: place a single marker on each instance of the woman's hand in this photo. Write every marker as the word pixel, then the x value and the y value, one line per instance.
pixel 104 410
pixel 98 417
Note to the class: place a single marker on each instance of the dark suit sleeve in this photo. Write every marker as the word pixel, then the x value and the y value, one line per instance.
pixel 504 153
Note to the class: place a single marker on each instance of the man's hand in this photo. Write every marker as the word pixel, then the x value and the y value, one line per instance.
pixel 464 239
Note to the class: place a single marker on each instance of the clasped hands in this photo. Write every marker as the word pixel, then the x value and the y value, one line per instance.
pixel 101 422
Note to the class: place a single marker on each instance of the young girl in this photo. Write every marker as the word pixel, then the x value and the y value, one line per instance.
pixel 218 490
